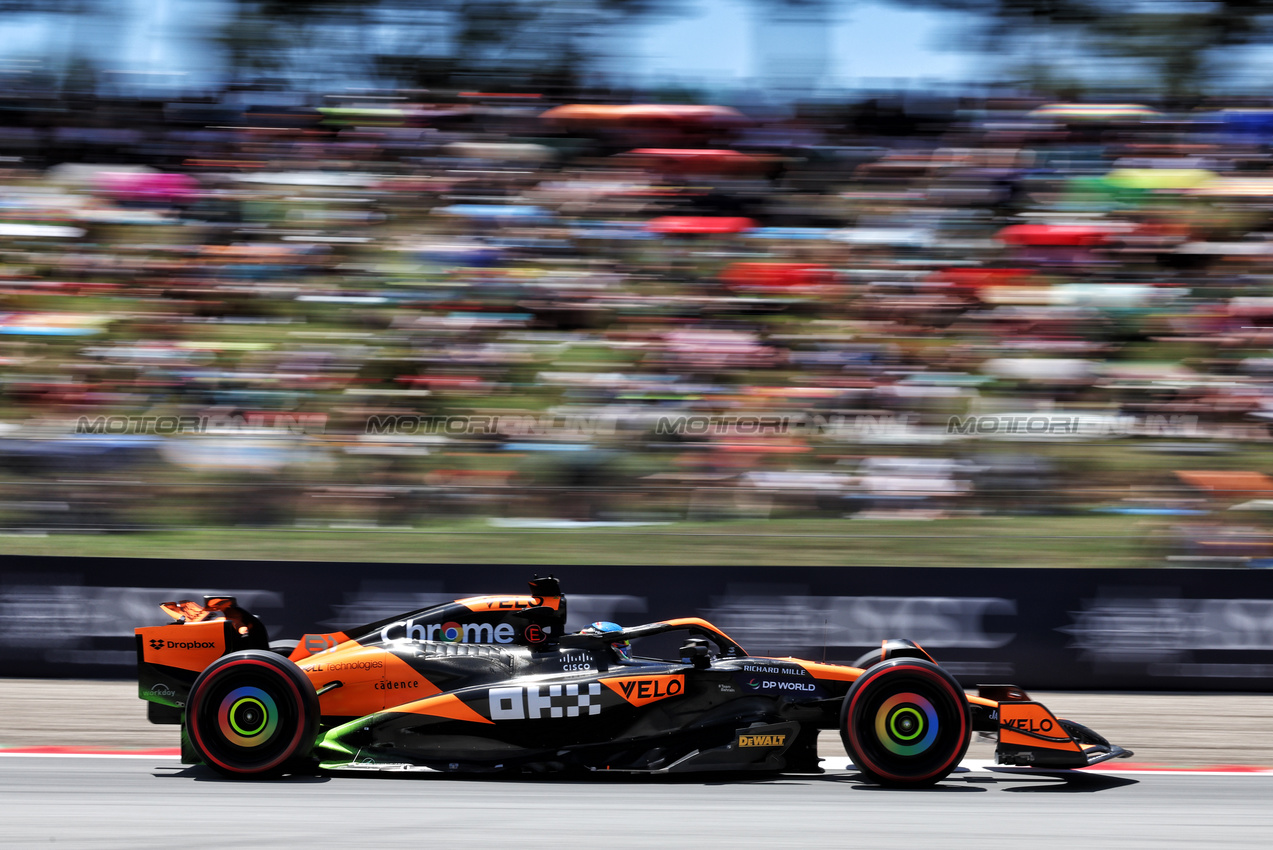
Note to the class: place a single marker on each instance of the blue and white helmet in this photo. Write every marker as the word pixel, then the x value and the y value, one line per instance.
pixel 601 627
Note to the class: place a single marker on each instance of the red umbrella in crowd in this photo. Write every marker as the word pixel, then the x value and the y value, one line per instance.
pixel 694 159
pixel 683 225
pixel 777 275
pixel 1055 235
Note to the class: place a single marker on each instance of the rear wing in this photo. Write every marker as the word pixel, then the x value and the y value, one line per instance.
pixel 171 657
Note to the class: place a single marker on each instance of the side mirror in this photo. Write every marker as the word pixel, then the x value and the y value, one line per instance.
pixel 696 652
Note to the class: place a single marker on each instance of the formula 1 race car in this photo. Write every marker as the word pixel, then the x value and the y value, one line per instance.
pixel 495 684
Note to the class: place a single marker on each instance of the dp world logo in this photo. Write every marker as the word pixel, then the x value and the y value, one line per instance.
pixel 753 684
pixel 156 643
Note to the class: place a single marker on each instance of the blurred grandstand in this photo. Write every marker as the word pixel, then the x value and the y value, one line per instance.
pixel 333 312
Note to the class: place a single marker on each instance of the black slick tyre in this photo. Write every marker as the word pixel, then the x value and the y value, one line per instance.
pixel 905 723
pixel 252 714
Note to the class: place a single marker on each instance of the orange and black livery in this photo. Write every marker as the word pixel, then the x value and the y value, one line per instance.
pixel 495 684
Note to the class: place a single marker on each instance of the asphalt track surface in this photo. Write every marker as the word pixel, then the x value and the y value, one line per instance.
pixel 140 802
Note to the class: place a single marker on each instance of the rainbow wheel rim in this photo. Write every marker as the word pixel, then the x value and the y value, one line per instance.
pixel 906 724
pixel 248 717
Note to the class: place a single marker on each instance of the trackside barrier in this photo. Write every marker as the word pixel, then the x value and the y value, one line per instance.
pixel 1039 628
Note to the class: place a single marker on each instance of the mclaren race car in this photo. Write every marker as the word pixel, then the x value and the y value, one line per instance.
pixel 496 684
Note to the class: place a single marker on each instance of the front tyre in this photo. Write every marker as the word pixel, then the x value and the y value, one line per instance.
pixel 252 713
pixel 905 723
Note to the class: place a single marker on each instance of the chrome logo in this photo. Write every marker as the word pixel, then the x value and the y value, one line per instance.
pixel 906 724
pixel 248 717
pixel 451 632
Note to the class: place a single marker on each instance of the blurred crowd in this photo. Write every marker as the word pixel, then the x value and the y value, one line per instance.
pixel 384 308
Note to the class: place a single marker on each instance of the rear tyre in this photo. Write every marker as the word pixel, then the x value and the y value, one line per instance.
pixel 905 723
pixel 251 714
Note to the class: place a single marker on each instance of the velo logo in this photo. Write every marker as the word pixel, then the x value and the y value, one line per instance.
pixel 640 690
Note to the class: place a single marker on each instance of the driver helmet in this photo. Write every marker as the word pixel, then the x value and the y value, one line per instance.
pixel 601 627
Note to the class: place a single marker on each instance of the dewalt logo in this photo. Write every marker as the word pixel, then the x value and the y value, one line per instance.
pixel 761 740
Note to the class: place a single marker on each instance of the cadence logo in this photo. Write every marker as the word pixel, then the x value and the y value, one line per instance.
pixel 396 686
